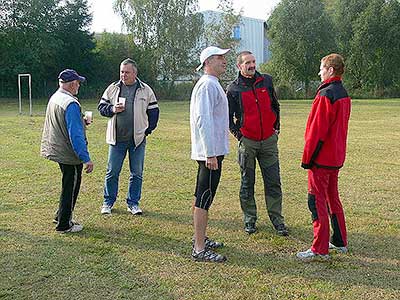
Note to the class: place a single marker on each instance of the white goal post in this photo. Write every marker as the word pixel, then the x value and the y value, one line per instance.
pixel 30 92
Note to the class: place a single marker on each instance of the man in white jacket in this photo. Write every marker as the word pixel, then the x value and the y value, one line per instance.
pixel 209 125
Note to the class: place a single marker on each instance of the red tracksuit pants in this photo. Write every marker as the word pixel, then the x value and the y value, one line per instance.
pixel 324 203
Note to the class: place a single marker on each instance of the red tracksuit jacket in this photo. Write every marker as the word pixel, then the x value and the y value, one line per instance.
pixel 326 130
pixel 253 109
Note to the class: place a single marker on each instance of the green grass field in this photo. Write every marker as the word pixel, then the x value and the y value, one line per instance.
pixel 148 257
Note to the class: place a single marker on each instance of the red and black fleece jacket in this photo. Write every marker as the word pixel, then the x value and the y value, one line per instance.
pixel 253 108
pixel 327 125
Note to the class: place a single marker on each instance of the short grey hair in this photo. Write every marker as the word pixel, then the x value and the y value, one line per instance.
pixel 129 61
pixel 239 59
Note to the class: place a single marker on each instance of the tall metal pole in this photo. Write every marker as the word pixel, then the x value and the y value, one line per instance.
pixel 19 94
pixel 30 95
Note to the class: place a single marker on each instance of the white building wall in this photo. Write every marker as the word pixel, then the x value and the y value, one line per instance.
pixel 252 35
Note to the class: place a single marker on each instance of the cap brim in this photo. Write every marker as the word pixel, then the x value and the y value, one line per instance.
pixel 224 51
pixel 81 78
pixel 221 52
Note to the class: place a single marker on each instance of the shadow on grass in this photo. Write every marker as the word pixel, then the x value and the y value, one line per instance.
pixel 356 268
pixel 375 246
pixel 168 216
pixel 186 218
pixel 101 255
pixel 363 261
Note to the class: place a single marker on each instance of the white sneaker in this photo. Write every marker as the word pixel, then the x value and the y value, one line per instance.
pixel 135 210
pixel 74 228
pixel 308 255
pixel 337 248
pixel 106 209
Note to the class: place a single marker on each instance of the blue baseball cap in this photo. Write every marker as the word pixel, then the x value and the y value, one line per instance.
pixel 70 75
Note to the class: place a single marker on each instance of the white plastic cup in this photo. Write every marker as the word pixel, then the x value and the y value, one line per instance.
pixel 122 101
pixel 88 117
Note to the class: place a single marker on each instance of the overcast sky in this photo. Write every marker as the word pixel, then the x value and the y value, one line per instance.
pixel 104 17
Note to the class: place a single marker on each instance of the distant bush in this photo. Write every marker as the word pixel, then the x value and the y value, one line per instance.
pixel 180 90
pixel 285 91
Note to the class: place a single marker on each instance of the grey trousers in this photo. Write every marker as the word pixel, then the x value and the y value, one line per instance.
pixel 266 153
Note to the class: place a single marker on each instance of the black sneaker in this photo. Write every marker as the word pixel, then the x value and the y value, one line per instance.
pixel 250 228
pixel 207 255
pixel 210 244
pixel 282 230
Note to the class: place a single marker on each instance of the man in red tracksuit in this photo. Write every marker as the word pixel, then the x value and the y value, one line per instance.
pixel 323 156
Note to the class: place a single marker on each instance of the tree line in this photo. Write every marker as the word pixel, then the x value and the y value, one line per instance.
pixel 42 37
pixel 365 32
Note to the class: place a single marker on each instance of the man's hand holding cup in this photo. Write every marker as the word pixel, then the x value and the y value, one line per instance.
pixel 88 117
pixel 120 105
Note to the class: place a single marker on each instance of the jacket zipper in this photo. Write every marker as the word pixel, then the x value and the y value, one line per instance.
pixel 259 112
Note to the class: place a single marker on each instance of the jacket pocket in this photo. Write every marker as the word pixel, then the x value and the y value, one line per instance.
pixel 242 157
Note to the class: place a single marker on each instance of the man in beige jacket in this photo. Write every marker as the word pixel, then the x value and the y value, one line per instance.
pixel 132 109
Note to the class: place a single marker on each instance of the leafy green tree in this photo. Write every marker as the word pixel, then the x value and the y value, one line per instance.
pixel 344 14
pixel 41 37
pixel 219 32
pixel 167 31
pixel 375 47
pixel 28 38
pixel 367 34
pixel 112 48
pixel 74 20
pixel 300 34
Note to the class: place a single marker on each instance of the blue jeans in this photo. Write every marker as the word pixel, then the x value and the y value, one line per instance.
pixel 116 156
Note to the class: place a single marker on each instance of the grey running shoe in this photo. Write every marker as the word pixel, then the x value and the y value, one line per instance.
pixel 210 244
pixel 55 221
pixel 207 255
pixel 308 256
pixel 250 228
pixel 282 230
pixel 337 248
pixel 74 228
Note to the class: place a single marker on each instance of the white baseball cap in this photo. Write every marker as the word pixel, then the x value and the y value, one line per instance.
pixel 210 51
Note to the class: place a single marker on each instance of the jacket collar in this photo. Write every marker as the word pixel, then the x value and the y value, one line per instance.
pixel 119 83
pixel 330 80
pixel 240 79
pixel 61 90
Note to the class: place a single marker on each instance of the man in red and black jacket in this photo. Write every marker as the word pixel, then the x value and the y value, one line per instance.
pixel 254 121
pixel 323 156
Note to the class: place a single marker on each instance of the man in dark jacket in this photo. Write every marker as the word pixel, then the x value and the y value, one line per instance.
pixel 254 121
pixel 323 156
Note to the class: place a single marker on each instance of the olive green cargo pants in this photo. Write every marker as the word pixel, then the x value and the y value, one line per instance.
pixel 266 153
